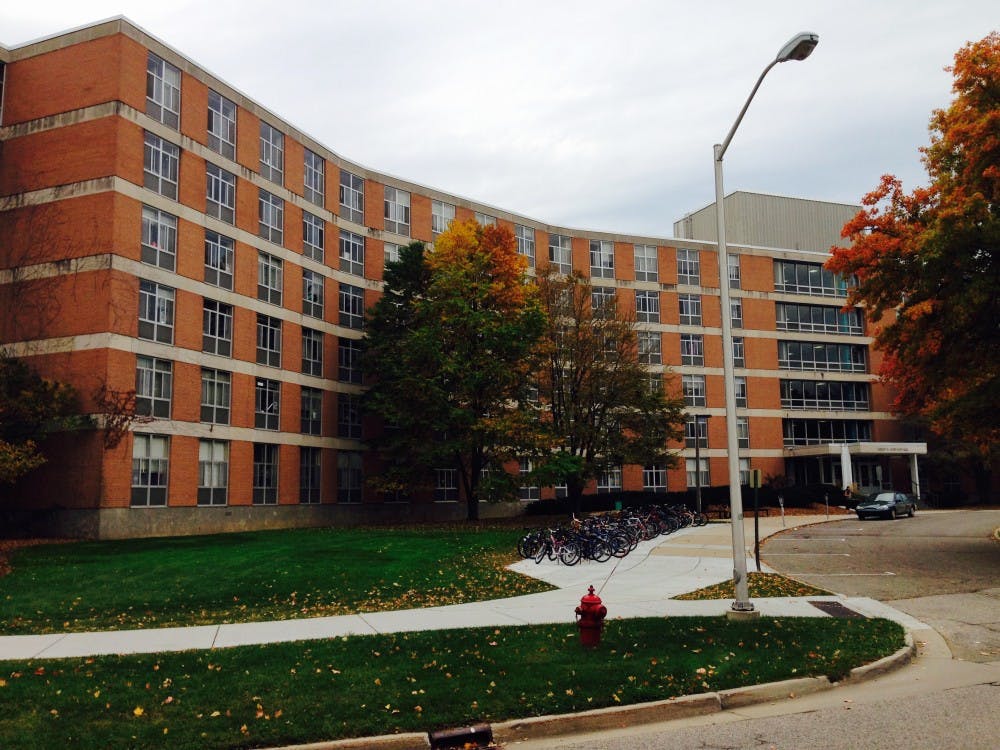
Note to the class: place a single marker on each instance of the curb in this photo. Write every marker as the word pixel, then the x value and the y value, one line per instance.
pixel 617 717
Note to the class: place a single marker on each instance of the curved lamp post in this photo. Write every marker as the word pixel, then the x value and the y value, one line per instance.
pixel 798 48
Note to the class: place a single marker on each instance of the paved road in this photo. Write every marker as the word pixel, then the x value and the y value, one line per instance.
pixel 947 568
pixel 942 567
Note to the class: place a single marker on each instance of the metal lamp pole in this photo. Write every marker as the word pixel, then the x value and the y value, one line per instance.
pixel 798 48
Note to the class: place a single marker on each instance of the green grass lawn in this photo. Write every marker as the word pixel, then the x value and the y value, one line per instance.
pixel 368 685
pixel 759 586
pixel 269 575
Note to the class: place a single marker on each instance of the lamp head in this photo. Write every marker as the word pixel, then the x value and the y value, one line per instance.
pixel 799 47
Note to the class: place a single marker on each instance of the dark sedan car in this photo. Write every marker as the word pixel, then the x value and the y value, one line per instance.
pixel 887 505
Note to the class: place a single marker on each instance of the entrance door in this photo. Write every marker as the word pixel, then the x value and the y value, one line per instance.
pixel 868 475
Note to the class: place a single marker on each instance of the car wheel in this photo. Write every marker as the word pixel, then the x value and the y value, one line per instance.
pixel 913 511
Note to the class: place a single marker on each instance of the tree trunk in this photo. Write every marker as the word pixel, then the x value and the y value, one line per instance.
pixel 574 491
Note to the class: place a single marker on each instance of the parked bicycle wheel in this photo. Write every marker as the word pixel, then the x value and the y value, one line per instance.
pixel 569 553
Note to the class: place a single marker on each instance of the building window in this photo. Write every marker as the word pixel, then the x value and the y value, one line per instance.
pixel 265 474
pixel 216 395
pixel 485 220
pixel 348 416
pixel 821 431
pixel 646 263
pixel 795 277
pixel 741 391
pixel 819 319
pixel 826 395
pixel 268 341
pixel 314 178
pixel 312 294
pixel 156 312
pixel 309 475
pixel 695 428
pixel 736 312
pixel 602 301
pixel 649 348
pixel 313 237
pixel 220 193
pixel 743 432
pixel 692 349
pixel 814 355
pixel 221 125
pixel 269 278
pixel 525 243
pixel 272 153
pixel 445 485
pixel 739 352
pixel 527 492
pixel 312 352
pixel 609 480
pixel 349 360
pixel 647 307
pixel 688 267
pixel 691 465
pixel 218 260
pixel 561 253
pixel 153 383
pixel 350 476
pixel 442 214
pixel 745 471
pixel 150 461
pixel 160 163
pixel 733 262
pixel 690 309
pixel 159 238
pixel 352 197
pixel 390 252
pixel 272 217
pixel 352 306
pixel 267 404
pixel 602 259
pixel 213 472
pixel 217 328
pixel 163 91
pixel 312 411
pixel 352 253
pixel 655 383
pixel 654 478
pixel 694 389
pixel 397 211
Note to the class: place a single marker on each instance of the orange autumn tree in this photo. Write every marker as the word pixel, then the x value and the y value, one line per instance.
pixel 926 263
pixel 450 348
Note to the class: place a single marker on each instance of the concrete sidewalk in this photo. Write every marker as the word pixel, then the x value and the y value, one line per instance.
pixel 639 585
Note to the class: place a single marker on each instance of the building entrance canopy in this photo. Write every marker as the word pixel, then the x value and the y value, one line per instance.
pixel 847 450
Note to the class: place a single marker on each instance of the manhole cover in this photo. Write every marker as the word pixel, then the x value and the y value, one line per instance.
pixel 836 609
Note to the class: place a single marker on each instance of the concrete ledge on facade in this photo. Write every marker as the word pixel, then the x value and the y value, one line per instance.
pixel 599 719
pixel 772 691
pixel 887 664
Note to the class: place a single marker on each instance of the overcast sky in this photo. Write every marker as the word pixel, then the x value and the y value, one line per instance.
pixel 584 114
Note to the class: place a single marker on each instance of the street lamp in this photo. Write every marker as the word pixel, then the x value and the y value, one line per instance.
pixel 798 48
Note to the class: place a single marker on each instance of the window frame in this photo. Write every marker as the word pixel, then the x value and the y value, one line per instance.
pixel 158 242
pixel 220 252
pixel 220 193
pixel 270 217
pixel 693 349
pixel 351 306
pixel 154 466
pixel 221 124
pixel 267 404
pixel 314 178
pixel 647 260
pixel 160 165
pixel 352 197
pixel 313 237
pixel 688 266
pixel 310 474
pixel 312 343
pixel 217 327
pixel 442 214
pixel 647 306
pixel 156 312
pixel 313 293
pixel 163 91
pixel 396 205
pixel 153 386
pixel 310 410
pixel 352 253
pixel 270 277
pixel 561 253
pixel 216 396
pixel 272 153
pixel 266 457
pixel 268 340
pixel 211 491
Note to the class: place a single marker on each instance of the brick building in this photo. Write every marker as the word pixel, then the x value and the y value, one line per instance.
pixel 161 231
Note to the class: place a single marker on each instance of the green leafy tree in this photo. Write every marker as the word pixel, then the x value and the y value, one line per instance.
pixel 31 408
pixel 605 408
pixel 926 263
pixel 449 349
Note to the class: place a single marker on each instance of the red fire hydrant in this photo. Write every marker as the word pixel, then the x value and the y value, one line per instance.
pixel 590 619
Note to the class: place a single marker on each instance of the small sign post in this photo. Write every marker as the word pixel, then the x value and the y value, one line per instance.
pixel 756 476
